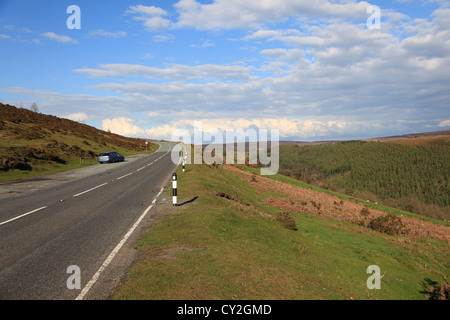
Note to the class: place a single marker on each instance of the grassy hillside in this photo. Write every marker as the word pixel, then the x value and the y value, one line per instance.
pixel 33 144
pixel 411 177
pixel 243 236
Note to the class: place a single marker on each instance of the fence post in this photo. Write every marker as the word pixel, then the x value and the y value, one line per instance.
pixel 174 189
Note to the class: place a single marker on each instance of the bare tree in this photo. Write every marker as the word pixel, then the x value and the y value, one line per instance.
pixel 34 107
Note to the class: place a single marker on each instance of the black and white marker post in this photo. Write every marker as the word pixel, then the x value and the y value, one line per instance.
pixel 184 158
pixel 174 189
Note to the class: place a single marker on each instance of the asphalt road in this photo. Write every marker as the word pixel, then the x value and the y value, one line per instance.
pixel 46 234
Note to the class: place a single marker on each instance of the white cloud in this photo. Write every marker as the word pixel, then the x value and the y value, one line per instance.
pixel 315 129
pixel 231 106
pixel 57 103
pixel 77 116
pixel 231 14
pixel 174 72
pixel 107 34
pixel 123 126
pixel 59 38
pixel 329 78
pixel 445 123
pixel 151 17
pixel 205 44
pixel 163 37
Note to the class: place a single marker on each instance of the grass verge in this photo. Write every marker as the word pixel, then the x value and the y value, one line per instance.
pixel 227 243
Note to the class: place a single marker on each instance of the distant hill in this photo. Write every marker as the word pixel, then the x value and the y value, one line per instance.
pixel 441 137
pixel 416 135
pixel 35 142
pixel 425 138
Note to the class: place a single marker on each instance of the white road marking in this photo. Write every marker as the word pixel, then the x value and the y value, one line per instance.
pixel 22 215
pixel 124 176
pixel 140 169
pixel 114 252
pixel 79 194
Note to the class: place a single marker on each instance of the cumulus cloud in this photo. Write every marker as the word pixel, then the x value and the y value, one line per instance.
pixel 123 126
pixel 287 128
pixel 151 16
pixel 231 14
pixel 329 78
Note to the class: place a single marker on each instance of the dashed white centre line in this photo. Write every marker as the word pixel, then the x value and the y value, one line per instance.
pixel 22 215
pixel 79 194
pixel 124 176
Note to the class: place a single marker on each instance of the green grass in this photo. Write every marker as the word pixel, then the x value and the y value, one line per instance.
pixel 41 167
pixel 216 248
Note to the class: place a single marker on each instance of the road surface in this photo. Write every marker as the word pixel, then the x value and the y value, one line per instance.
pixel 50 236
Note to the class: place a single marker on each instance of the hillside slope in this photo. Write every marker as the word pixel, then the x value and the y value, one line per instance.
pixel 411 177
pixel 32 143
pixel 237 235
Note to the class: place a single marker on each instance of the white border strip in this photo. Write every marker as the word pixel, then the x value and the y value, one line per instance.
pixel 22 215
pixel 114 252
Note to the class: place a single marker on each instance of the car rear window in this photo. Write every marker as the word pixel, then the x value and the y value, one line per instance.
pixel 104 154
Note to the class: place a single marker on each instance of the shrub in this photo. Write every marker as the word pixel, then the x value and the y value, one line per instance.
pixel 286 220
pixel 389 224
pixel 365 211
pixel 435 291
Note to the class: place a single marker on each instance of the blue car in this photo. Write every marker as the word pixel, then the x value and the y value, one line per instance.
pixel 110 157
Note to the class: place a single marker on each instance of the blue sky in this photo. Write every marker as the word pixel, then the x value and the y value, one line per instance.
pixel 312 70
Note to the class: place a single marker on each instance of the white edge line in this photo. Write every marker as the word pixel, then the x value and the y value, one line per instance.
pixel 114 252
pixel 79 194
pixel 22 215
